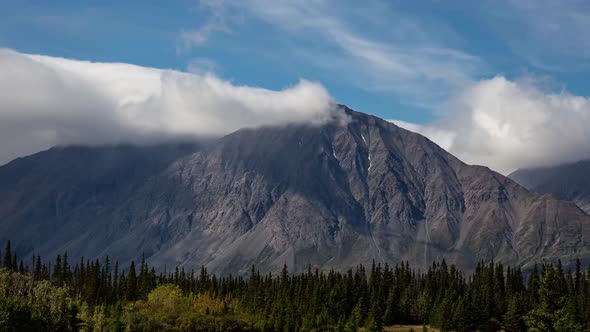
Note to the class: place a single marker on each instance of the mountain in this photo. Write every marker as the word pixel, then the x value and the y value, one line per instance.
pixel 60 197
pixel 569 182
pixel 331 196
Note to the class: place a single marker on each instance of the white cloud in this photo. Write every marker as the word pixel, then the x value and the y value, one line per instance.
pixel 549 33
pixel 441 136
pixel 513 124
pixel 400 56
pixel 202 66
pixel 409 61
pixel 216 22
pixel 200 36
pixel 50 101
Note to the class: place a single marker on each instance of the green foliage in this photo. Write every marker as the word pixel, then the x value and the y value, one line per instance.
pixel 26 305
pixel 374 320
pixel 513 318
pixel 93 296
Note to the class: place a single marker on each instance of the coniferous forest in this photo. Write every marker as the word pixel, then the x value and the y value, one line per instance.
pixel 60 295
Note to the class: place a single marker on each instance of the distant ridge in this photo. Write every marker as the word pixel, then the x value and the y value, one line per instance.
pixel 569 181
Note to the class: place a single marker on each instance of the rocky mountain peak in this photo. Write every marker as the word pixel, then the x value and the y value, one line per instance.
pixel 332 196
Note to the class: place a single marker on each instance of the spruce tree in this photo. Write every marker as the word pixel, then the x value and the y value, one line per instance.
pixel 513 321
pixel 389 314
pixel 131 284
pixel 7 256
pixel 65 269
pixel 57 271
pixel 375 317
pixel 542 317
pixel 355 319
pixel 37 272
pixel 533 288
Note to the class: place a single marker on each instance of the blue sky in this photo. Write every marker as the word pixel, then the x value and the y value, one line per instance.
pixel 395 59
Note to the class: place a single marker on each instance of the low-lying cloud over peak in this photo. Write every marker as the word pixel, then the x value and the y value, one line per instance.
pixel 47 101
pixel 508 125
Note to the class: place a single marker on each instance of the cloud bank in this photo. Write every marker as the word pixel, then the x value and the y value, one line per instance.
pixel 47 101
pixel 508 125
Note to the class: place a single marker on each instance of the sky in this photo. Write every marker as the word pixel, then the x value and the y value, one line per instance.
pixel 498 83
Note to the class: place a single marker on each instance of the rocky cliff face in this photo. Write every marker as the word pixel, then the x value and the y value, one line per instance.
pixel 568 182
pixel 332 196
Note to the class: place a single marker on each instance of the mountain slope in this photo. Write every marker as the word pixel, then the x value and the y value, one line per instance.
pixel 332 196
pixel 56 198
pixel 568 182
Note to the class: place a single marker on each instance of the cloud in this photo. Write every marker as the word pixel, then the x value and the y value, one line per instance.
pixel 550 33
pixel 200 36
pixel 442 136
pixel 202 66
pixel 50 101
pixel 400 56
pixel 216 23
pixel 508 125
pixel 410 61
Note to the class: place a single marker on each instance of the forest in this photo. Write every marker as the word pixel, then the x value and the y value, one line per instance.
pixel 100 295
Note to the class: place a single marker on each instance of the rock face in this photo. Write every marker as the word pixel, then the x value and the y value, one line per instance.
pixel 569 182
pixel 331 196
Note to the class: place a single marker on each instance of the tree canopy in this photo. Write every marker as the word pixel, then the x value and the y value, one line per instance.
pixel 96 295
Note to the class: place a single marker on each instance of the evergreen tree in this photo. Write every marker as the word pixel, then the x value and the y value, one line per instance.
pixel 533 288
pixel 66 277
pixel 356 318
pixel 513 319
pixel 91 295
pixel 389 314
pixel 37 272
pixel 375 317
pixel 58 272
pixel 543 316
pixel 7 261
pixel 131 284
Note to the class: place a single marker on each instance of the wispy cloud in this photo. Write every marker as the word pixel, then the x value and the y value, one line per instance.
pixel 407 60
pixel 546 34
pixel 67 21
pixel 215 23
pixel 202 66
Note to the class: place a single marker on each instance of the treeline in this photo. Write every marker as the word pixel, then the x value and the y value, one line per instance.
pixel 99 296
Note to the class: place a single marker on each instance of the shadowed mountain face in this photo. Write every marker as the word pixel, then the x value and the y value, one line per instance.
pixel 332 196
pixel 569 182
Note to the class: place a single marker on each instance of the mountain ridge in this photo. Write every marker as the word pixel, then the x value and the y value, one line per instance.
pixel 332 196
pixel 567 181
